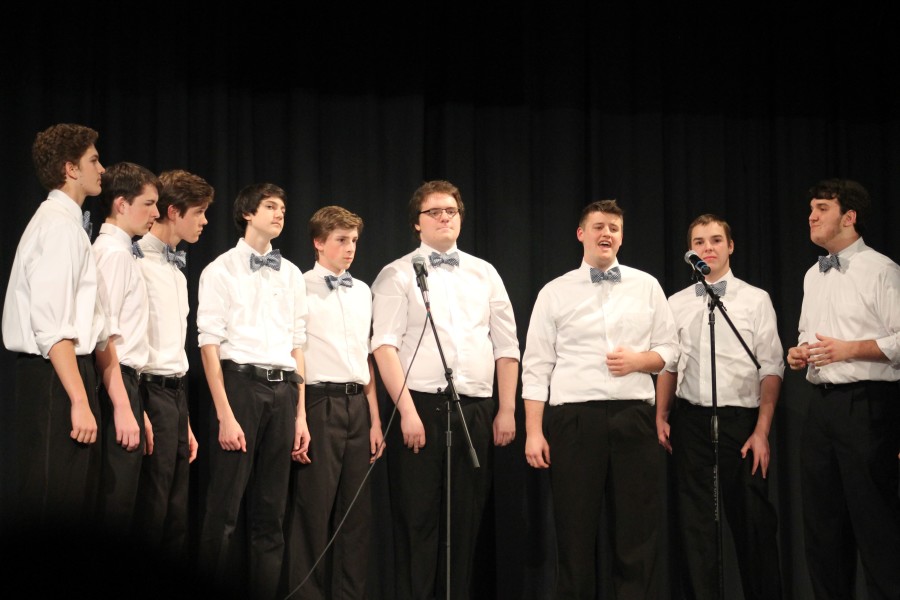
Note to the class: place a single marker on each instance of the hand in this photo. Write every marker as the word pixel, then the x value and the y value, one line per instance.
pixel 128 433
pixel 759 445
pixel 376 442
pixel 663 433
pixel 84 425
pixel 504 428
pixel 537 451
pixel 413 431
pixel 798 357
pixel 192 444
pixel 148 435
pixel 828 350
pixel 231 436
pixel 622 362
pixel 300 451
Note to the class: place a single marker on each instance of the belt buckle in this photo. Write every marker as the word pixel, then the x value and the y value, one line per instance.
pixel 271 372
pixel 351 389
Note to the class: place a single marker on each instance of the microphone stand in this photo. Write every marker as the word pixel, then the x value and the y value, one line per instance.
pixel 715 301
pixel 452 399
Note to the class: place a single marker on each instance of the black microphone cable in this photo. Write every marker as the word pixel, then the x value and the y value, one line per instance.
pixel 368 472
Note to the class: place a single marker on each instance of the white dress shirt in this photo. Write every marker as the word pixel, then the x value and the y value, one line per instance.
pixel 861 301
pixel 737 379
pixel 471 312
pixel 575 323
pixel 337 332
pixel 167 297
pixel 52 291
pixel 255 317
pixel 123 295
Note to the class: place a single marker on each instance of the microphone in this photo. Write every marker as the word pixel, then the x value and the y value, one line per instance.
pixel 418 262
pixel 693 259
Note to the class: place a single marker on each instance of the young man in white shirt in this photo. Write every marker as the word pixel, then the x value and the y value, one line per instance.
pixel 745 407
pixel 51 318
pixel 161 517
pixel 128 202
pixel 849 345
pixel 251 319
pixel 595 336
pixel 476 326
pixel 344 425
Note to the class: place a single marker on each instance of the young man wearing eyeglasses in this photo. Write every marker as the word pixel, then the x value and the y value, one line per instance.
pixel 474 320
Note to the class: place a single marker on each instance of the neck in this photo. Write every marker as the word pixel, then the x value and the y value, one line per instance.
pixel 74 192
pixel 114 222
pixel 165 232
pixel 837 245
pixel 598 265
pixel 716 275
pixel 257 241
pixel 441 247
pixel 329 269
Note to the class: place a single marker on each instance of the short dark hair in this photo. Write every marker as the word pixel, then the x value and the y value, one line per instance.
pixel 124 179
pixel 706 220
pixel 57 145
pixel 850 195
pixel 610 207
pixel 248 199
pixel 437 186
pixel 183 190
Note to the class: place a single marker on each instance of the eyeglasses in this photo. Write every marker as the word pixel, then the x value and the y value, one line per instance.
pixel 435 213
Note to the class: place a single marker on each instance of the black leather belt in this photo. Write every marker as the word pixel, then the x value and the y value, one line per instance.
pixel 348 389
pixel 126 370
pixel 267 375
pixel 169 381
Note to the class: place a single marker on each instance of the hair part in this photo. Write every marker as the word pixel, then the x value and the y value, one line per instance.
pixel 57 145
pixel 706 219
pixel 610 207
pixel 437 186
pixel 125 179
pixel 248 200
pixel 183 190
pixel 849 194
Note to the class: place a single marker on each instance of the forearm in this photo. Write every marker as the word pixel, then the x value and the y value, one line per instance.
pixel 534 417
pixel 212 368
pixel 297 354
pixel 666 383
pixel 108 365
pixel 770 387
pixel 507 383
pixel 62 357
pixel 393 377
pixel 650 362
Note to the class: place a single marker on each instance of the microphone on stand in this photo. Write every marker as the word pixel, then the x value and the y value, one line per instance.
pixel 693 259
pixel 418 262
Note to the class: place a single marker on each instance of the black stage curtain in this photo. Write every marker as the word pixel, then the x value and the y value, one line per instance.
pixel 531 110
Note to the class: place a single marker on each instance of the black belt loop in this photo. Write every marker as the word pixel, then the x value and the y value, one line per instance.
pixel 169 381
pixel 345 389
pixel 261 373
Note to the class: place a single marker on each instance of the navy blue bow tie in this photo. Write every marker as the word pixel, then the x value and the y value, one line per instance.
pixel 437 259
pixel 136 250
pixel 86 223
pixel 179 258
pixel 336 281
pixel 612 275
pixel 826 262
pixel 718 288
pixel 271 260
